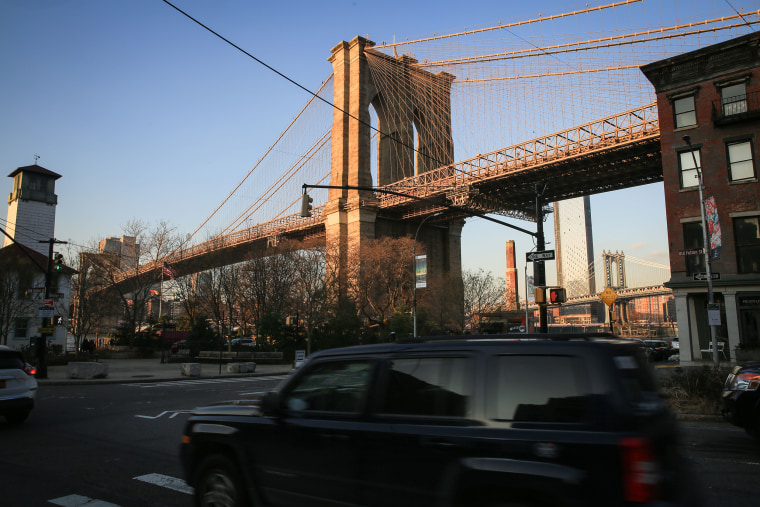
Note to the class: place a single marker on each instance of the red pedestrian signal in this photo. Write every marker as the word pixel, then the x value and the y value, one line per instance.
pixel 556 296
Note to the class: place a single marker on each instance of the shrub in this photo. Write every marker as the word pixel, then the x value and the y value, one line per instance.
pixel 695 389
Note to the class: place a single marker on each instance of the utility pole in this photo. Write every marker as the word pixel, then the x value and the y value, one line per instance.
pixel 47 322
pixel 539 271
pixel 706 248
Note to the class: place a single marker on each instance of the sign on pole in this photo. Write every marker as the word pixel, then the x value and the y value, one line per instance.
pixel 541 255
pixel 46 312
pixel 420 271
pixel 702 277
pixel 608 296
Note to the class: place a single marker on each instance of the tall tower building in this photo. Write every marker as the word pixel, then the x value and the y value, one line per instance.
pixel 512 298
pixel 574 246
pixel 31 207
pixel 125 249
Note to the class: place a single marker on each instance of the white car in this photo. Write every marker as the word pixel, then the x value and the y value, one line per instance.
pixel 18 387
pixel 246 342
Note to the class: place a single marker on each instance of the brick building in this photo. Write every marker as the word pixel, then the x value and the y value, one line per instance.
pixel 712 95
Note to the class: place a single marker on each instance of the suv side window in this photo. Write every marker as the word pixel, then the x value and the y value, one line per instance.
pixel 540 389
pixel 331 386
pixel 428 386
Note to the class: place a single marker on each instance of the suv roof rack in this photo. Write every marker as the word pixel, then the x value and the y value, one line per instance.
pixel 511 337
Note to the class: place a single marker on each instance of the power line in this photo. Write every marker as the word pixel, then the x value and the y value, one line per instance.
pixel 188 16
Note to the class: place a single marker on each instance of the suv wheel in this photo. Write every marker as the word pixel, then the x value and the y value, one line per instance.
pixel 218 483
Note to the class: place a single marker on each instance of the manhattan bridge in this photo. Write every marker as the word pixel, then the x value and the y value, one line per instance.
pixel 473 120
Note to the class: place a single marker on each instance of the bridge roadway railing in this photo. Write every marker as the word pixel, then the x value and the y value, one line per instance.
pixel 274 227
pixel 635 124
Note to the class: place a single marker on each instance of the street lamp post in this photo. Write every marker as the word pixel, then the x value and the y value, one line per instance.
pixel 414 271
pixel 706 249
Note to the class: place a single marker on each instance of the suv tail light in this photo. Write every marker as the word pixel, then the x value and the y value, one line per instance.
pixel 641 475
pixel 30 370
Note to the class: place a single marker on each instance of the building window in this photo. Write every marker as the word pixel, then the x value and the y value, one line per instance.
pixel 684 111
pixel 740 166
pixel 693 239
pixel 733 99
pixel 689 177
pixel 21 328
pixel 747 234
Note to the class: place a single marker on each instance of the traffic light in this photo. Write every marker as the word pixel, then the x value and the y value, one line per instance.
pixel 539 295
pixel 58 261
pixel 556 296
pixel 306 205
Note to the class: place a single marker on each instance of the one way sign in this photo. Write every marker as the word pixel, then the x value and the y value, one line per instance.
pixel 543 255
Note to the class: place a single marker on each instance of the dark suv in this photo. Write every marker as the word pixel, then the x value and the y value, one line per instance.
pixel 541 420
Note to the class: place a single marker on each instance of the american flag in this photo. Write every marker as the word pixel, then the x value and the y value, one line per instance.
pixel 169 271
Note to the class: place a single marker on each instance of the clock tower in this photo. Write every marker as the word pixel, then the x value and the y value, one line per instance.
pixel 31 207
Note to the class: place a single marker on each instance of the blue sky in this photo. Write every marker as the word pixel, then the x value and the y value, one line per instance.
pixel 147 116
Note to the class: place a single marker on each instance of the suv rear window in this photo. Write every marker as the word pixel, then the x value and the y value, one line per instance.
pixel 428 386
pixel 541 388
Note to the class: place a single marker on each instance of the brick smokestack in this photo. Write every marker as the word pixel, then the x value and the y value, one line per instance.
pixel 511 276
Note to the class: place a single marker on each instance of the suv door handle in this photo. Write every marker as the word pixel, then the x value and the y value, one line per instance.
pixel 438 442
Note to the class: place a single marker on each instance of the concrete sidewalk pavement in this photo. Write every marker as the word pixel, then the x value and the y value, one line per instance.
pixel 152 370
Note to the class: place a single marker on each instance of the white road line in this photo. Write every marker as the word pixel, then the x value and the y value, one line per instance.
pixel 80 501
pixel 166 481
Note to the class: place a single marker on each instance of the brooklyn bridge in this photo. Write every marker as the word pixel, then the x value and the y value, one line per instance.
pixel 453 126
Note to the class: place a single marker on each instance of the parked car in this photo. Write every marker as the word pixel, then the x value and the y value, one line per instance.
pixel 245 342
pixel 482 421
pixel 675 345
pixel 660 350
pixel 18 386
pixel 741 399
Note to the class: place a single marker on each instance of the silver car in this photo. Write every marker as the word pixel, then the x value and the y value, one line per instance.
pixel 18 387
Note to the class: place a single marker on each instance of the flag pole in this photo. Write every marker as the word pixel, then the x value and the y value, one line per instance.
pixel 160 299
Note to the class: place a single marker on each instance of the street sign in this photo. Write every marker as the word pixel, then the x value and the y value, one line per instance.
pixel 542 255
pixel 49 302
pixel 702 277
pixel 608 296
pixel 713 314
pixel 691 251
pixel 36 290
pixel 46 330
pixel 46 312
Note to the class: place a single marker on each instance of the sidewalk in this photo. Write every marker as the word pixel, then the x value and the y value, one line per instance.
pixel 152 370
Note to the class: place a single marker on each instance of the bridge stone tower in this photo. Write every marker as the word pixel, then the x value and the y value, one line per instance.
pixel 406 99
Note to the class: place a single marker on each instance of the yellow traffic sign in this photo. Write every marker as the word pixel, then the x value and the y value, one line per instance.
pixel 608 296
pixel 46 330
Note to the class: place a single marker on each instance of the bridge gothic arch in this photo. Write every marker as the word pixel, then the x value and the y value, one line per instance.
pixel 413 108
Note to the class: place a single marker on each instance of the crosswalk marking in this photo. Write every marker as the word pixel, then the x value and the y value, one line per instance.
pixel 80 501
pixel 164 481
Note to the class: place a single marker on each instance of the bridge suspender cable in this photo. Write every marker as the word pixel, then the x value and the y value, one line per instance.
pixel 509 25
pixel 429 201
pixel 298 84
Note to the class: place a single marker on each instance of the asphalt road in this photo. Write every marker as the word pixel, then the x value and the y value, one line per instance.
pixel 117 445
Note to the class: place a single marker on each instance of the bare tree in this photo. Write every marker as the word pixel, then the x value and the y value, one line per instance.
pixel 309 289
pixel 482 291
pixel 93 307
pixel 381 282
pixel 16 276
